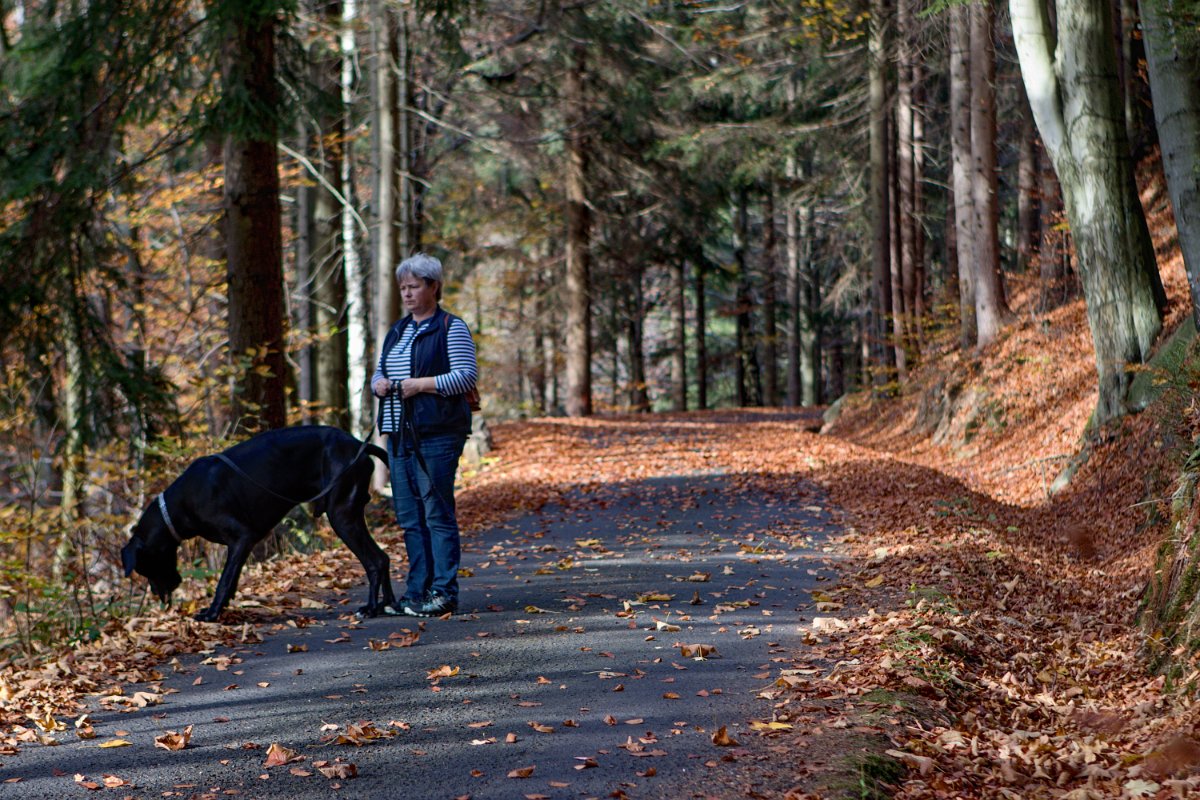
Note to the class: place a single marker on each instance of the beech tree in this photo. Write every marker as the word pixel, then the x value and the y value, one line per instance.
pixel 1069 70
pixel 1174 65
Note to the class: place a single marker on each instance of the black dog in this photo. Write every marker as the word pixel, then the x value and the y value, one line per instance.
pixel 236 497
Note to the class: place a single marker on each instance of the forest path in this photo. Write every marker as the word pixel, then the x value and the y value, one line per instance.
pixel 561 627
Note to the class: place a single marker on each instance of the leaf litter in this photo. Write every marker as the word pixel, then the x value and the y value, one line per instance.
pixel 982 627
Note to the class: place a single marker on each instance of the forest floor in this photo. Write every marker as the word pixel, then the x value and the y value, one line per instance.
pixel 980 628
pixel 977 630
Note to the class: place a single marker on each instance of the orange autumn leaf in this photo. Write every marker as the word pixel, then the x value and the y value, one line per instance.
pixel 278 755
pixel 722 738
pixel 174 741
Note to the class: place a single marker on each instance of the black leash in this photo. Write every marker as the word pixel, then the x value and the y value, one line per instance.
pixel 406 420
pixel 328 488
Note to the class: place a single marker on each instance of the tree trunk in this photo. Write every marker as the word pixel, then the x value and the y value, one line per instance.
pixel 1131 52
pixel 770 331
pixel 71 409
pixel 1077 108
pixel 386 130
pixel 679 336
pixel 837 368
pixel 614 325
pixel 578 285
pixel 960 149
pixel 639 399
pixel 1174 67
pixel 701 337
pixel 990 305
pixel 1054 243
pixel 408 227
pixel 899 355
pixel 881 244
pixel 748 377
pixel 359 334
pixel 327 270
pixel 906 198
pixel 792 243
pixel 810 299
pixel 917 295
pixel 540 367
pixel 253 239
pixel 1028 185
pixel 308 141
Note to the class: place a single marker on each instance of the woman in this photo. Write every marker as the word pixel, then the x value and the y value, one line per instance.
pixel 426 366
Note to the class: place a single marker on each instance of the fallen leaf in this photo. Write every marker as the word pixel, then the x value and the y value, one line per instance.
pixel 85 783
pixel 759 725
pixel 722 738
pixel 174 741
pixel 521 772
pixel 278 755
pixel 698 651
pixel 337 769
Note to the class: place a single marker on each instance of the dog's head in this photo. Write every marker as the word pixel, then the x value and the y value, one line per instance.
pixel 151 552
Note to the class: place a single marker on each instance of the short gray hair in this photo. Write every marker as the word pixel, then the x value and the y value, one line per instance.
pixel 422 266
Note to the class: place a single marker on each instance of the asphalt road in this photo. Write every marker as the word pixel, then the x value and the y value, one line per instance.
pixel 573 659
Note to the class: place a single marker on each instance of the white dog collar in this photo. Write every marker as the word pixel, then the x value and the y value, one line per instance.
pixel 162 509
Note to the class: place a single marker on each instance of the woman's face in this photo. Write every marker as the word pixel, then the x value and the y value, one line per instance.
pixel 418 295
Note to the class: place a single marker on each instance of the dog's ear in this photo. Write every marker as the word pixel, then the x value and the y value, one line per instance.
pixel 129 555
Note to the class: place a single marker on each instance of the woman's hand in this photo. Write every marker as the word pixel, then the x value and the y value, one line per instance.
pixel 412 386
pixel 381 388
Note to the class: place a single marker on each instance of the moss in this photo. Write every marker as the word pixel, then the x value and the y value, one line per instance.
pixel 1169 609
pixel 1170 360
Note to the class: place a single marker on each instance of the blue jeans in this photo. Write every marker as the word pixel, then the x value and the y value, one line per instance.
pixel 424 505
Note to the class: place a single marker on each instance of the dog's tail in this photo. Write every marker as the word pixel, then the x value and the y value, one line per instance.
pixel 378 452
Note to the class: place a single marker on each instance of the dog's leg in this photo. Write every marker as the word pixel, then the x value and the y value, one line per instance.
pixel 235 559
pixel 346 517
pixel 375 562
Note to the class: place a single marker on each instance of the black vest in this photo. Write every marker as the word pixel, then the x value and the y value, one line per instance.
pixel 431 413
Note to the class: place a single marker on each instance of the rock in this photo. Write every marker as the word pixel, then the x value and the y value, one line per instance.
pixel 479 443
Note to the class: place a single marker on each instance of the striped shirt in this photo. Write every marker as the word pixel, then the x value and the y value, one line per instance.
pixel 464 370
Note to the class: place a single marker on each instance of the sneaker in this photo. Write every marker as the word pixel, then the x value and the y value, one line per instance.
pixel 438 605
pixel 411 608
